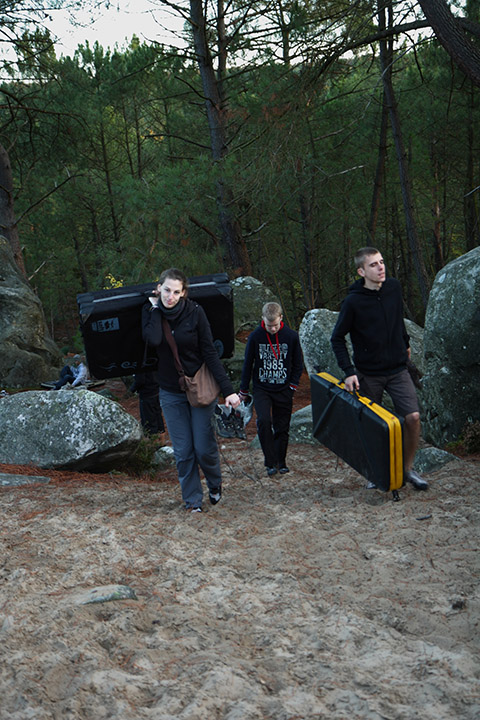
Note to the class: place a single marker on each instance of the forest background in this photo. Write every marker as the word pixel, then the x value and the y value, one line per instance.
pixel 280 138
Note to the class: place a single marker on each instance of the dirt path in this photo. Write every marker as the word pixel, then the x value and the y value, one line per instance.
pixel 298 597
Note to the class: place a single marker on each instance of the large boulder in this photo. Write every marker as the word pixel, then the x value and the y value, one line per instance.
pixel 452 350
pixel 301 427
pixel 28 357
pixel 73 429
pixel 234 364
pixel 316 330
pixel 249 296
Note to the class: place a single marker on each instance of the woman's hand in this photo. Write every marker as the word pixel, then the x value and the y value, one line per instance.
pixel 232 401
pixel 154 298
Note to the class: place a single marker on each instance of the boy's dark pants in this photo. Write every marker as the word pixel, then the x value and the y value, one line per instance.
pixel 274 410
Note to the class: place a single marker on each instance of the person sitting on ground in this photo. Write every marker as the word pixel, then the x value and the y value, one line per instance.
pixel 75 374
pixel 274 357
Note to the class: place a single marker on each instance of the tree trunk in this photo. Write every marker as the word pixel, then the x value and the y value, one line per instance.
pixel 379 173
pixel 450 34
pixel 8 222
pixel 216 116
pixel 81 264
pixel 108 179
pixel 126 129
pixel 437 215
pixel 386 65
pixel 470 212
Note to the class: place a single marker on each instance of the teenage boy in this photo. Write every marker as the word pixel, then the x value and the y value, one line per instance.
pixel 274 362
pixel 372 313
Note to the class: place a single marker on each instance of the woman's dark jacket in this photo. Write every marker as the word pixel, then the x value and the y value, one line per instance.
pixel 193 336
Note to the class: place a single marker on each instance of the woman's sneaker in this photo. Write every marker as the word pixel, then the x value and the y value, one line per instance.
pixel 215 495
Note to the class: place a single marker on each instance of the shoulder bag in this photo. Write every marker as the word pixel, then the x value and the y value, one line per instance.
pixel 201 389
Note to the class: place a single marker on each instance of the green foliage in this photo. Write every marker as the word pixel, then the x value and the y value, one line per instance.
pixel 468 441
pixel 141 462
pixel 471 437
pixel 113 170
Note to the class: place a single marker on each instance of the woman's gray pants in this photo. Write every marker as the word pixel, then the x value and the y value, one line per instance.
pixel 194 445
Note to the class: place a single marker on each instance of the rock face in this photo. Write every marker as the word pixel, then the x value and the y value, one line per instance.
pixel 234 364
pixel 301 427
pixel 249 295
pixel 316 329
pixel 73 429
pixel 452 350
pixel 28 356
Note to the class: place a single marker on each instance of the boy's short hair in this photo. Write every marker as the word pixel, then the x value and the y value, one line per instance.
pixel 271 311
pixel 362 254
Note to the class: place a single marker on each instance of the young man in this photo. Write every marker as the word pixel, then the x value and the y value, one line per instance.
pixel 372 313
pixel 274 357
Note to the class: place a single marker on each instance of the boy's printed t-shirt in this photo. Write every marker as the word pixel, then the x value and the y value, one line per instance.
pixel 272 361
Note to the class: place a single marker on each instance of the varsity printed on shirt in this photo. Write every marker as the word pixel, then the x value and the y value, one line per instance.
pixel 272 366
pixel 273 361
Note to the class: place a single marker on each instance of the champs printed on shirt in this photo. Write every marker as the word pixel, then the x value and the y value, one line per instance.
pixel 272 366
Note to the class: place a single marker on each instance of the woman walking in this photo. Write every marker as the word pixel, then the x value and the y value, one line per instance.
pixel 170 317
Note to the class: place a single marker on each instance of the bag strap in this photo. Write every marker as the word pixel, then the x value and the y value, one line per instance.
pixel 167 330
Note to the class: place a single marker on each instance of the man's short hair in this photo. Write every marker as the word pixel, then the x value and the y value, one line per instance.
pixel 271 311
pixel 362 254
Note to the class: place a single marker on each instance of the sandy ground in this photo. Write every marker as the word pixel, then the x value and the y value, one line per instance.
pixel 302 596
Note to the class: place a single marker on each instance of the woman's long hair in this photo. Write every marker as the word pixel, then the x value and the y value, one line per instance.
pixel 175 274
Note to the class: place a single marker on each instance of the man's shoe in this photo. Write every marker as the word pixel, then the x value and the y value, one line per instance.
pixel 284 469
pixel 215 495
pixel 418 482
pixel 271 471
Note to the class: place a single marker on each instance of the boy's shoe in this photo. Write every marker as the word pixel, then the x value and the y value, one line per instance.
pixel 271 471
pixel 418 482
pixel 223 424
pixel 215 495
pixel 283 469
